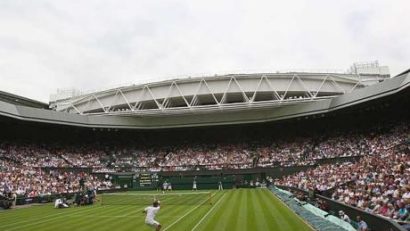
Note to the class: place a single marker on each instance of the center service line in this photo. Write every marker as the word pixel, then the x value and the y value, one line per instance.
pixel 203 218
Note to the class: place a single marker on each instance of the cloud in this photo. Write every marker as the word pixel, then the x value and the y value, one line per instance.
pixel 45 45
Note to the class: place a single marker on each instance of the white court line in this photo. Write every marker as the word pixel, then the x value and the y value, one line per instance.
pixel 203 218
pixel 190 211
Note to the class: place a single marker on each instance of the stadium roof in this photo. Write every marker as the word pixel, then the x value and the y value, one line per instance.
pixel 404 72
pixel 218 117
pixel 20 100
pixel 210 93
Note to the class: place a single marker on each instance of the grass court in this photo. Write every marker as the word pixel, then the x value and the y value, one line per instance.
pixel 239 209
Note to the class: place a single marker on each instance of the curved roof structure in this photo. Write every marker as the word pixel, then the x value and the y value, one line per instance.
pixel 20 100
pixel 228 92
pixel 298 96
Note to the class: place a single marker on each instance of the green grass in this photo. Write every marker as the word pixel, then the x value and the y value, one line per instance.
pixel 241 209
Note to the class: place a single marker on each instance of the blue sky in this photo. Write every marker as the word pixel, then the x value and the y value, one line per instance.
pixel 45 45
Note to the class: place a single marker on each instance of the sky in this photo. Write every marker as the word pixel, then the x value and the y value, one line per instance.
pixel 47 45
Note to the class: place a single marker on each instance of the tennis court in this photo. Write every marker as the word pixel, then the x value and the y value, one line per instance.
pixel 240 209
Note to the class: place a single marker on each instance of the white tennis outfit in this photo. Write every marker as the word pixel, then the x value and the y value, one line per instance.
pixel 150 218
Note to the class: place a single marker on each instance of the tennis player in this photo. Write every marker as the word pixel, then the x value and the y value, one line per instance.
pixel 194 186
pixel 151 211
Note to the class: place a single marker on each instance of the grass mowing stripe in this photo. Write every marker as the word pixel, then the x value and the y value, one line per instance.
pixel 179 205
pixel 274 210
pixel 283 217
pixel 120 211
pixel 56 216
pixel 190 211
pixel 108 215
pixel 18 212
pixel 188 223
pixel 99 223
pixel 32 212
pixel 288 210
pixel 203 218
pixel 29 212
pixel 234 209
pixel 72 223
pixel 269 215
pixel 251 206
pixel 242 209
pixel 81 223
pixel 34 218
pixel 59 221
pixel 211 223
pixel 252 211
pixel 109 221
pixel 173 210
pixel 231 211
pixel 129 223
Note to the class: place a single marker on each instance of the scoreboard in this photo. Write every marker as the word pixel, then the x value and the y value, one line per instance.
pixel 136 180
pixel 147 179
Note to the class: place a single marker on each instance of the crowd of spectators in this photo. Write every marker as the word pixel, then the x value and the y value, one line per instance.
pixel 31 181
pixel 42 155
pixel 377 183
pixel 286 151
pixel 275 152
pixel 381 186
pixel 31 155
pixel 31 168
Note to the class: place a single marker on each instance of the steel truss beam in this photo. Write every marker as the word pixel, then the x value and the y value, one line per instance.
pixel 126 100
